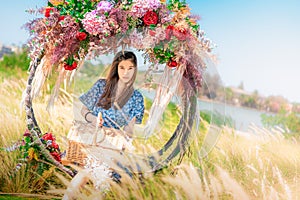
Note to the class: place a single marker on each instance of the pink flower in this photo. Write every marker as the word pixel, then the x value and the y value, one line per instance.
pixel 93 23
pixel 169 31
pixel 27 133
pixel 180 34
pixel 152 33
pixel 140 7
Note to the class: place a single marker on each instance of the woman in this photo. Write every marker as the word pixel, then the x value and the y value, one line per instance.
pixel 120 105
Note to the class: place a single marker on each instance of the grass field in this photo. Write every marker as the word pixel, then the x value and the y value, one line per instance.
pixel 239 167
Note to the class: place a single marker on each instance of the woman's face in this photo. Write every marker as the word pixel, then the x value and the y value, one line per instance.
pixel 126 71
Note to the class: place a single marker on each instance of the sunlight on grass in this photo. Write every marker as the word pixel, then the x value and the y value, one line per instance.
pixel 261 166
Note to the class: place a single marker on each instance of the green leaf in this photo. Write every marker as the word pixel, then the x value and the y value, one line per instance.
pixel 152 26
pixel 27 139
pixel 50 4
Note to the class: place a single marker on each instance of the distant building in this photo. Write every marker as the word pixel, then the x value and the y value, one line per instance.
pixel 239 91
pixel 5 50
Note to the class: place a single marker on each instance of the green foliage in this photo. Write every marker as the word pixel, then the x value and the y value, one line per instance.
pixel 284 120
pixel 16 60
pixel 163 54
pixel 75 8
pixel 216 118
pixel 176 4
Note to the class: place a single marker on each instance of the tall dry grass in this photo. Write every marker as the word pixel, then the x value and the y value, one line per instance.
pixel 260 164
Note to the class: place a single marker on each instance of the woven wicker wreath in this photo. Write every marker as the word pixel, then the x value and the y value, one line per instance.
pixel 166 32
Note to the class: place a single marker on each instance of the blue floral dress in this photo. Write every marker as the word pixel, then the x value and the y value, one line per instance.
pixel 112 117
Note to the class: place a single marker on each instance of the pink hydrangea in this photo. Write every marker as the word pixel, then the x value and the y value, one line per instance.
pixel 93 23
pixel 140 7
pixel 100 25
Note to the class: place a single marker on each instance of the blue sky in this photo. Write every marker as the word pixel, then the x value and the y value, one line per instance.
pixel 257 40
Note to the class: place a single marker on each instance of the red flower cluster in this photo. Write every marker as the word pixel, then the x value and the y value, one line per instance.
pixel 52 146
pixel 81 36
pixel 48 136
pixel 56 156
pixel 70 67
pixel 180 34
pixel 48 11
pixel 150 18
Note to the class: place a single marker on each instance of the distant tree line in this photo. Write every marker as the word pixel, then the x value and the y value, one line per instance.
pixel 213 89
pixel 16 60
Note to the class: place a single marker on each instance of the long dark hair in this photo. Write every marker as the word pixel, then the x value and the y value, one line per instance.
pixel 108 96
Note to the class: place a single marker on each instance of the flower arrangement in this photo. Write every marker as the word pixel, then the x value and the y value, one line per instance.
pixel 72 30
pixel 32 154
pixel 31 150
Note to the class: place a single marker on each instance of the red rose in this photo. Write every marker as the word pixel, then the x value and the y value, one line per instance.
pixel 48 136
pixel 60 18
pixel 169 31
pixel 150 18
pixel 70 67
pixel 81 36
pixel 56 156
pixel 172 64
pixel 48 11
pixel 180 34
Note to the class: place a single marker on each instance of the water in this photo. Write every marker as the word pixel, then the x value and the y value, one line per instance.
pixel 241 117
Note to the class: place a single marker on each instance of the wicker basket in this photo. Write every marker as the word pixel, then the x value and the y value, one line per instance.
pixel 74 154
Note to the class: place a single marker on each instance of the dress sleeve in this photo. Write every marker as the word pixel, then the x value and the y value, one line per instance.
pixel 90 98
pixel 138 110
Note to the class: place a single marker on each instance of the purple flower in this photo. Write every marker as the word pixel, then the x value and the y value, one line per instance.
pixel 104 6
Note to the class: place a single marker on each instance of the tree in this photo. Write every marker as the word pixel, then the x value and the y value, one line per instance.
pixel 16 60
pixel 284 120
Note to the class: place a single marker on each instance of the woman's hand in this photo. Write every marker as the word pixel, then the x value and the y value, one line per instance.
pixel 100 120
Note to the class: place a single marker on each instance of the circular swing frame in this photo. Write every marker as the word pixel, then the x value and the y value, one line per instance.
pixel 192 63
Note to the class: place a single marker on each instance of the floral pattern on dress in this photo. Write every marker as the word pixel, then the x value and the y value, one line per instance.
pixel 114 118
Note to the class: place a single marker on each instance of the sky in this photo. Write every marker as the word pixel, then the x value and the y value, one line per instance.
pixel 257 41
